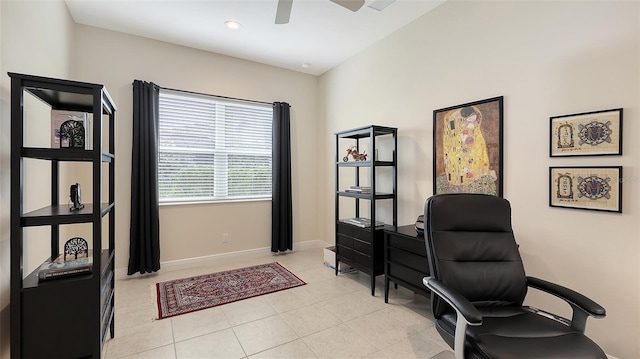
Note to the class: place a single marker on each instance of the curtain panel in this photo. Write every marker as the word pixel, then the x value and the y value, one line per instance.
pixel 281 203
pixel 144 240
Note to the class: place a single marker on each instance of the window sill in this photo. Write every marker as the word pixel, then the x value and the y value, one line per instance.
pixel 225 201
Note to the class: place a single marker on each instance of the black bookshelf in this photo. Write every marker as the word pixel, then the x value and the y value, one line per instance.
pixel 70 316
pixel 363 248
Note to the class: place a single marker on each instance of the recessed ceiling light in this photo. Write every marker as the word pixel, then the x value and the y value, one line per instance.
pixel 306 65
pixel 232 24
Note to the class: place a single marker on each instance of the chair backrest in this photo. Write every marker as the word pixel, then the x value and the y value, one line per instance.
pixel 471 248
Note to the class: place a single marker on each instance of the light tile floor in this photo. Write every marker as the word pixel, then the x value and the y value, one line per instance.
pixel 330 317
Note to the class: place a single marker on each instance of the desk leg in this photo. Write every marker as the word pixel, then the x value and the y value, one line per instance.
pixel 373 285
pixel 386 289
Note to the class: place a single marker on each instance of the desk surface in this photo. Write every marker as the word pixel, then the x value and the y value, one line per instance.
pixel 408 230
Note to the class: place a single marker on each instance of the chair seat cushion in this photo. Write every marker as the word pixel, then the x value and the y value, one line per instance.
pixel 508 332
pixel 565 346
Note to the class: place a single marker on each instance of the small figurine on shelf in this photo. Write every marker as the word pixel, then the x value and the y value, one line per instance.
pixel 353 151
pixel 74 247
pixel 72 132
pixel 75 198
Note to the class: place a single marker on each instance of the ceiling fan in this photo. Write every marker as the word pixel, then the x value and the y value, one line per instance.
pixel 283 11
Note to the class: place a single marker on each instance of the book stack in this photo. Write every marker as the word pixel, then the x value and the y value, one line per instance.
pixel 359 189
pixel 60 268
pixel 361 222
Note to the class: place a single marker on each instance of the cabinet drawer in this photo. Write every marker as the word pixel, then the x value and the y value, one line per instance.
pixel 48 320
pixel 106 290
pixel 363 247
pixel 344 252
pixel 408 275
pixel 362 234
pixel 344 240
pixel 405 258
pixel 412 245
pixel 346 229
pixel 362 259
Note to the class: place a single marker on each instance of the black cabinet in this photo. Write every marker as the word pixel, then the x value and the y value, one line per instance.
pixel 70 316
pixel 362 183
pixel 405 259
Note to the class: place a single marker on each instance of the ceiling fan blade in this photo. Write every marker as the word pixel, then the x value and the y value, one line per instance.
pixel 284 11
pixel 353 5
pixel 380 4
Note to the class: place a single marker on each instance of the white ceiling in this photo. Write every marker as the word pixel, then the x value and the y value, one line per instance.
pixel 320 32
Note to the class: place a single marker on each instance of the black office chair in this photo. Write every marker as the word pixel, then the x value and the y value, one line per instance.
pixel 479 285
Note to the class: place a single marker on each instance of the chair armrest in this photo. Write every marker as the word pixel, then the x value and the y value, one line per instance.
pixel 581 305
pixel 570 296
pixel 461 304
pixel 466 313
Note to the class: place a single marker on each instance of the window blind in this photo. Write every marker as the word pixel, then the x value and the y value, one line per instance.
pixel 212 149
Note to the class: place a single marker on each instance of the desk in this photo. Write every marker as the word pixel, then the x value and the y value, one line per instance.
pixel 405 259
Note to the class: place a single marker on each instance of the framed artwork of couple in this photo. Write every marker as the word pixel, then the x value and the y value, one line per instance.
pixel 467 147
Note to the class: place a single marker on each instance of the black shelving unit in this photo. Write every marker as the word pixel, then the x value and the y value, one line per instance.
pixel 363 248
pixel 67 317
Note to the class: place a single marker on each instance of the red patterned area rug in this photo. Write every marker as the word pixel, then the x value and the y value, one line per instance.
pixel 187 295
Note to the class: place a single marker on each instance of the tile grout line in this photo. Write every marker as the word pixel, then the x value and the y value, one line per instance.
pixel 240 343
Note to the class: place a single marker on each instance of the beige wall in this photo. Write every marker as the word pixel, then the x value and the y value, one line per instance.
pixel 189 231
pixel 546 59
pixel 36 38
pixel 41 39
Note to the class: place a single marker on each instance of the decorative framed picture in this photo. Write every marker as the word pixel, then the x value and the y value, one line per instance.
pixel 594 188
pixel 467 148
pixel 586 134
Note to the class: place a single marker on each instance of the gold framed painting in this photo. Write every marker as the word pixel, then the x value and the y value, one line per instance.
pixel 596 133
pixel 467 148
pixel 593 188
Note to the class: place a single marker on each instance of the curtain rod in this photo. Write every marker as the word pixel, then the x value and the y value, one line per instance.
pixel 224 97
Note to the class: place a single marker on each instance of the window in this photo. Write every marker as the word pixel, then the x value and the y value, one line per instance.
pixel 213 149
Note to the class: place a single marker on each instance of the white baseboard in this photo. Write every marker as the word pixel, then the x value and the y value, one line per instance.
pixel 222 258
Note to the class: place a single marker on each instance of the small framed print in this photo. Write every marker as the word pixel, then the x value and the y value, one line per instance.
pixel 595 133
pixel 593 188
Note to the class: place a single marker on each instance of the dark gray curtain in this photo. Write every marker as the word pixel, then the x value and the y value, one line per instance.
pixel 144 240
pixel 281 208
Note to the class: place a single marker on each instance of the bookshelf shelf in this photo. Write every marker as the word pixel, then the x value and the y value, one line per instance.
pixel 64 154
pixel 368 196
